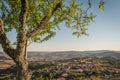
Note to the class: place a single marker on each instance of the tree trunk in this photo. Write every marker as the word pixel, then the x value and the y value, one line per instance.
pixel 22 69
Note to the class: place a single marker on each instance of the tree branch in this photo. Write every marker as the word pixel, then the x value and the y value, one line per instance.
pixel 43 22
pixel 7 47
pixel 89 5
pixel 21 36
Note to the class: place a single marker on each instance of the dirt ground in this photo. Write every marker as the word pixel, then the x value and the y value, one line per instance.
pixel 5 64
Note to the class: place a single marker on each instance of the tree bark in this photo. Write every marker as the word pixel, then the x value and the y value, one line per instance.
pixel 22 68
pixel 4 41
pixel 18 58
pixel 25 52
pixel 44 21
pixel 18 54
pixel 21 61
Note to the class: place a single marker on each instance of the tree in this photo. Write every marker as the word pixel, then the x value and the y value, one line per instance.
pixel 36 21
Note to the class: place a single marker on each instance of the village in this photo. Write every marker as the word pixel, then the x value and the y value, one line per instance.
pixel 90 68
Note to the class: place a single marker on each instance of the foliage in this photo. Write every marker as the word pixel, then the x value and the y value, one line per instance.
pixel 36 21
pixel 6 76
pixel 45 76
pixel 73 14
pixel 77 74
pixel 101 5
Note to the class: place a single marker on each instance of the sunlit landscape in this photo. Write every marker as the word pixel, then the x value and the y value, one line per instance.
pixel 59 40
pixel 70 65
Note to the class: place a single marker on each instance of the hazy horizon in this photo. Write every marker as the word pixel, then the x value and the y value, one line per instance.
pixel 104 33
pixel 70 50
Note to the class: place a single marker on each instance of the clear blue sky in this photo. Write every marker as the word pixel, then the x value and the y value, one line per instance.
pixel 104 33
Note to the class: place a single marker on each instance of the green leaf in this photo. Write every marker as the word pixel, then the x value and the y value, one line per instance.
pixel 0 4
pixel 73 14
pixel 101 6
pixel 15 43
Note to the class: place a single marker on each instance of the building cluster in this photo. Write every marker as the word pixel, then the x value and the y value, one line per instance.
pixel 90 66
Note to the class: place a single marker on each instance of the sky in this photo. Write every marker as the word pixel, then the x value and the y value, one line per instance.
pixel 104 33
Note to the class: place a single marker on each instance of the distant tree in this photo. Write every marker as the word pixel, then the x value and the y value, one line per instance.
pixel 36 21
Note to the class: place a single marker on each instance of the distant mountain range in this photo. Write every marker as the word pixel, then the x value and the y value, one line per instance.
pixel 68 55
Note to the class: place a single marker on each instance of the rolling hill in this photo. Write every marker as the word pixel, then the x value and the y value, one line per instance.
pixel 68 55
